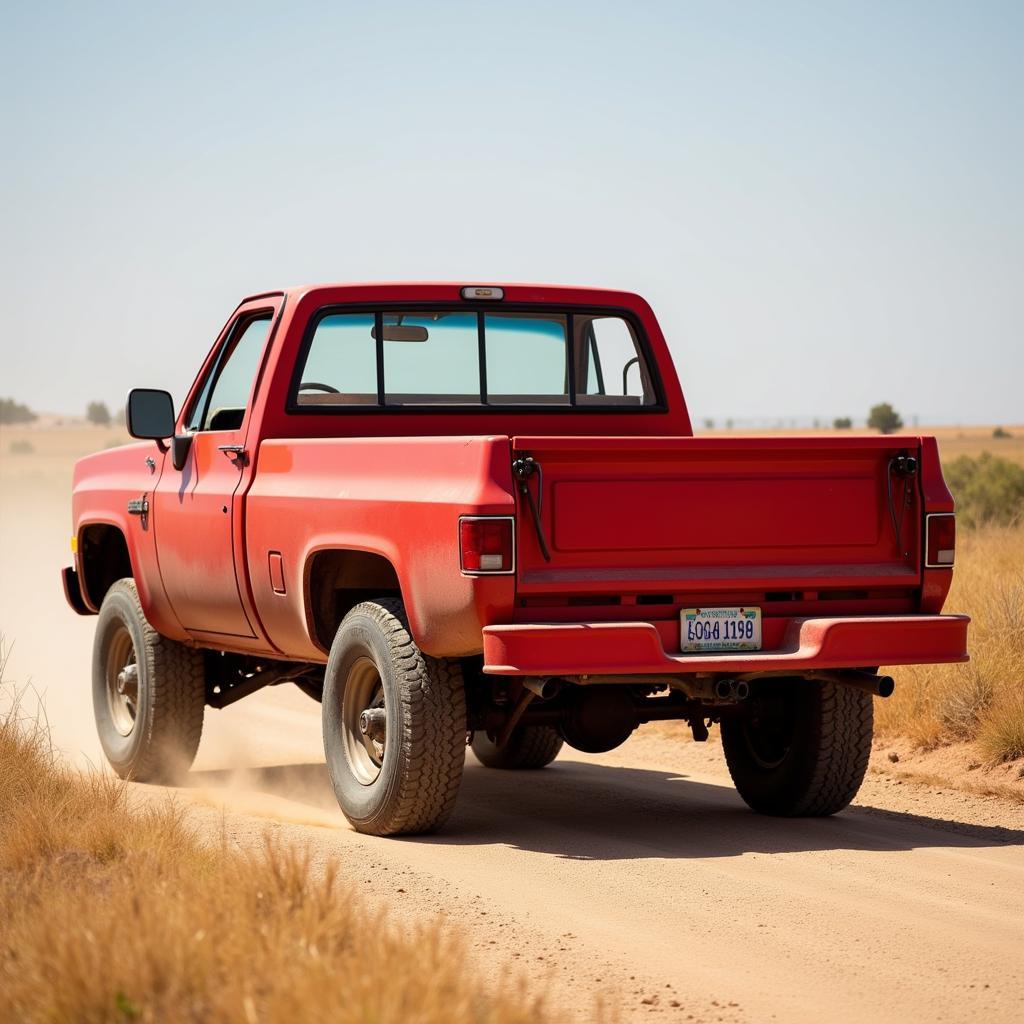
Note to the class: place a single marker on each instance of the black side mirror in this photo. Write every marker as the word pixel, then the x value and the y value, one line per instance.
pixel 150 414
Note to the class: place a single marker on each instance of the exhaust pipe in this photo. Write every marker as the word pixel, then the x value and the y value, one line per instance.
pixel 868 682
pixel 732 689
pixel 545 689
pixel 533 689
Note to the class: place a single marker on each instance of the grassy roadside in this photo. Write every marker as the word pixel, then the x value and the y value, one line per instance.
pixel 983 701
pixel 110 913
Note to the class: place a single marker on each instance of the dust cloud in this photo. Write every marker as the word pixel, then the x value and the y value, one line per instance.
pixel 49 647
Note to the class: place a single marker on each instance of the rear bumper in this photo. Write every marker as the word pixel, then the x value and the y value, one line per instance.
pixel 636 648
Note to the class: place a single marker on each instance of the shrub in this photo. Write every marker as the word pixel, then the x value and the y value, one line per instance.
pixel 842 423
pixel 98 414
pixel 884 418
pixel 1001 737
pixel 1001 434
pixel 987 489
pixel 14 412
pixel 22 448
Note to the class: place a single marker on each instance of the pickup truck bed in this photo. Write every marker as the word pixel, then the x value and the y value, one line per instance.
pixel 431 508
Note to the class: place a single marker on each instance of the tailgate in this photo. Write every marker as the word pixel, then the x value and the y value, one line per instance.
pixel 643 526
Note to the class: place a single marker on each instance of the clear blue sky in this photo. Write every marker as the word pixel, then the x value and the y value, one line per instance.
pixel 823 201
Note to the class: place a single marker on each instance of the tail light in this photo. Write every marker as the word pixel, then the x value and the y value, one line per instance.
pixel 487 544
pixel 939 540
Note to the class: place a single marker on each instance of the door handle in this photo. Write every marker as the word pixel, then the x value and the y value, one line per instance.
pixel 235 452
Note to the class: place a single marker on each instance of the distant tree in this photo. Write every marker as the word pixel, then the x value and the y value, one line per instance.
pixel 14 412
pixel 728 424
pixel 842 423
pixel 98 414
pixel 1000 434
pixel 884 418
pixel 709 423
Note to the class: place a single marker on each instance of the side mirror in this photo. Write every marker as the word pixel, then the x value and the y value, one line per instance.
pixel 150 414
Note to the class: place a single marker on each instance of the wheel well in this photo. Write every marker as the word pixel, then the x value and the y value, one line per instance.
pixel 337 581
pixel 105 560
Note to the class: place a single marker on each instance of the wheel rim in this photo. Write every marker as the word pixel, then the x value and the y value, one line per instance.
pixel 122 682
pixel 364 721
pixel 768 730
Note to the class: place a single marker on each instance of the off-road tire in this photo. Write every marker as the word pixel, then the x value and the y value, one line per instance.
pixel 822 752
pixel 425 746
pixel 171 699
pixel 529 747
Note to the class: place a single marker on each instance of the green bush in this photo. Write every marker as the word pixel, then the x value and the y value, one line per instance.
pixel 1001 434
pixel 987 489
pixel 98 414
pixel 14 412
pixel 842 423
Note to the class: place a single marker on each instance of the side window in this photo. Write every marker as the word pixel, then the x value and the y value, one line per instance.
pixel 341 366
pixel 610 365
pixel 225 394
pixel 526 358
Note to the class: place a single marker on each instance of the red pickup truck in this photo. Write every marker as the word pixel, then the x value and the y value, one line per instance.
pixel 477 514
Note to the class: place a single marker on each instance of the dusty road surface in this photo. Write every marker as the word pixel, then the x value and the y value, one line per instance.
pixel 637 873
pixel 641 873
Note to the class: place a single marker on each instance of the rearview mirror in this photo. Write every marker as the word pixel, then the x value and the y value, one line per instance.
pixel 402 332
pixel 150 414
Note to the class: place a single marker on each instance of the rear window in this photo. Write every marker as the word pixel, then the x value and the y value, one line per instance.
pixel 459 358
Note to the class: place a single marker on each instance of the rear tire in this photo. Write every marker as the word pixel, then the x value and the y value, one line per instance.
pixel 148 692
pixel 799 749
pixel 529 747
pixel 394 724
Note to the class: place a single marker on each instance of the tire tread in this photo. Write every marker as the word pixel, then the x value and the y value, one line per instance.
pixel 176 700
pixel 433 744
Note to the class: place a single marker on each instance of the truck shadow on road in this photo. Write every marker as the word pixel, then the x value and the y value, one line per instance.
pixel 584 811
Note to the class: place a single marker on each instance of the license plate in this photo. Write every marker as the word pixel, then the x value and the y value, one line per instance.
pixel 720 629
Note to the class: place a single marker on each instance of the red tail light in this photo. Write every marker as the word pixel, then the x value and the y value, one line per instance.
pixel 939 540
pixel 487 544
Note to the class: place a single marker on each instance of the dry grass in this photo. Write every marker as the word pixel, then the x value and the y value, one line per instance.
pixel 983 700
pixel 115 913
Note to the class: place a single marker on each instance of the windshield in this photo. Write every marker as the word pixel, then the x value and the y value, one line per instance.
pixel 459 358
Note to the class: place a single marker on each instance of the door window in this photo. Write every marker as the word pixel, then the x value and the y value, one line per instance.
pixel 225 394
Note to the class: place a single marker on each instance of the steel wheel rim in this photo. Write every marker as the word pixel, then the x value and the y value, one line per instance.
pixel 364 742
pixel 122 682
pixel 769 732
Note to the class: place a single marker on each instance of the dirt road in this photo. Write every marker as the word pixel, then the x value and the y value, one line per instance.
pixel 638 873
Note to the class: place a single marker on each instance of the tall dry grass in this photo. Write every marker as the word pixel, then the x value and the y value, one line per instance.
pixel 110 912
pixel 981 701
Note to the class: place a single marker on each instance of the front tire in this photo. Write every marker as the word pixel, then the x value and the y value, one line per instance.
pixel 148 692
pixel 529 747
pixel 394 723
pixel 799 748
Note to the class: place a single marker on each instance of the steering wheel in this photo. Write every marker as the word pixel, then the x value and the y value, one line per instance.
pixel 314 386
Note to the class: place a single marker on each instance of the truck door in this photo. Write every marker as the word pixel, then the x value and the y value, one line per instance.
pixel 197 515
